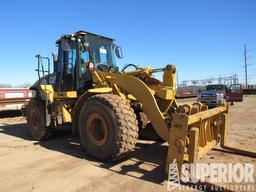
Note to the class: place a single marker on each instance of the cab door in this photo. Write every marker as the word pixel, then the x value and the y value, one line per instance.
pixel 235 93
pixel 66 73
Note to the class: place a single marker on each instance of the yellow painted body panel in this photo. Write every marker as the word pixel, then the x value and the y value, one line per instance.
pixel 166 94
pixel 65 95
pixel 66 115
pixel 48 92
pixel 100 90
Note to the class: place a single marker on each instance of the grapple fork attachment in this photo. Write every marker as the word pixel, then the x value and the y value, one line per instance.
pixel 194 133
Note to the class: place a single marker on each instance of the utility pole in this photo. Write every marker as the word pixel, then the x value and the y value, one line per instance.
pixel 245 66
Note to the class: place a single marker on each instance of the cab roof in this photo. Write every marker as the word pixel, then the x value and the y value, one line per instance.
pixel 83 33
pixel 93 34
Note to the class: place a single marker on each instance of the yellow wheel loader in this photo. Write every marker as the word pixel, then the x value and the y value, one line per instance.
pixel 109 107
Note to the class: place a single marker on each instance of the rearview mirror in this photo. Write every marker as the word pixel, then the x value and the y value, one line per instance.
pixel 118 52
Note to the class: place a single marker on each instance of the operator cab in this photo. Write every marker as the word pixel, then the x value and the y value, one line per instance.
pixel 79 54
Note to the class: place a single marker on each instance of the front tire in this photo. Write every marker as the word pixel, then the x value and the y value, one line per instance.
pixel 108 127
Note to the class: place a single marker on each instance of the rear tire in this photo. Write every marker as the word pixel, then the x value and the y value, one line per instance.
pixel 35 114
pixel 108 127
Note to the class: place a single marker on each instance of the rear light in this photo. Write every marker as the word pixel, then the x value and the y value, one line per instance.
pixel 90 66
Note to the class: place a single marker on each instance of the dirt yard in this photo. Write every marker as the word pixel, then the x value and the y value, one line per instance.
pixel 60 164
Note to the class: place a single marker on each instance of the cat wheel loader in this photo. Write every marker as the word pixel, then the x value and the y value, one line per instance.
pixel 108 107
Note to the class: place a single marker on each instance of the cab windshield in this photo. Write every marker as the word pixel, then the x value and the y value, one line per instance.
pixel 98 50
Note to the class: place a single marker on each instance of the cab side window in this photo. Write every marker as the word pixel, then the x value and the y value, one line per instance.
pixel 84 60
pixel 71 60
pixel 103 55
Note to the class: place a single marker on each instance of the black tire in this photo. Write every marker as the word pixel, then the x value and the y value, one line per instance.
pixel 35 114
pixel 108 127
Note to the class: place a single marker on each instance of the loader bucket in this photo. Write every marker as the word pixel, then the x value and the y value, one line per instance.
pixel 195 131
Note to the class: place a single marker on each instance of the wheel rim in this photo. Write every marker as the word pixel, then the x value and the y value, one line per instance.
pixel 34 119
pixel 97 129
